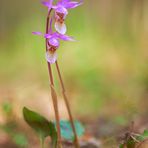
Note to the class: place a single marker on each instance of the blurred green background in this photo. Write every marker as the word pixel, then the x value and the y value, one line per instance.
pixel 105 71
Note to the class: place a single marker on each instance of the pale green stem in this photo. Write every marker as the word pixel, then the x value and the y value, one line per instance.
pixel 41 142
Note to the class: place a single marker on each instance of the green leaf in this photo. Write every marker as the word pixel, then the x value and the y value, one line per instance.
pixel 40 124
pixel 121 146
pixel 20 139
pixel 130 143
pixel 143 136
pixel 67 132
pixel 7 107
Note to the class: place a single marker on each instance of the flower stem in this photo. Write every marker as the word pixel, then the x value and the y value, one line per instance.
pixel 76 142
pixel 53 93
pixel 55 105
pixel 41 142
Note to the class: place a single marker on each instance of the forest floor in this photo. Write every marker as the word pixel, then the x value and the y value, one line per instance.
pixel 100 132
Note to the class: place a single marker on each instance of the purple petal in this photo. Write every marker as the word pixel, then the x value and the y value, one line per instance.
pixel 62 2
pixel 71 5
pixel 48 4
pixel 54 6
pixel 47 36
pixel 51 57
pixel 54 42
pixel 65 0
pixel 62 10
pixel 50 26
pixel 65 37
pixel 37 33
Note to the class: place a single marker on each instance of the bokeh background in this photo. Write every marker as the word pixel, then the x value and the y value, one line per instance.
pixel 105 72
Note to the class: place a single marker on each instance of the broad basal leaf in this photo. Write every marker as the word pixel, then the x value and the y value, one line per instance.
pixel 67 132
pixel 40 124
